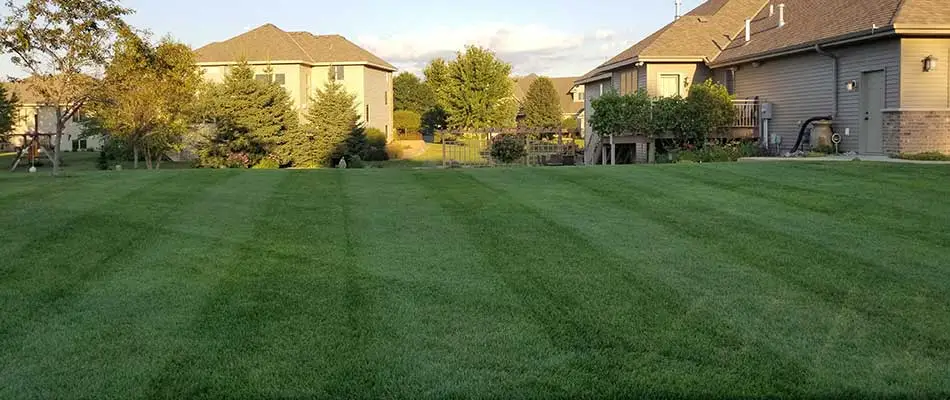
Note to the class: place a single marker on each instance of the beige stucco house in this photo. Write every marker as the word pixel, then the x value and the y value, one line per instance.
pixel 33 112
pixel 301 62
pixel 877 67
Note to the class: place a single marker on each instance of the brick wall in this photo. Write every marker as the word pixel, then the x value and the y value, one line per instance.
pixel 913 131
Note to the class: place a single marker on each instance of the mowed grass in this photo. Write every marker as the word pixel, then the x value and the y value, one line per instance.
pixel 682 281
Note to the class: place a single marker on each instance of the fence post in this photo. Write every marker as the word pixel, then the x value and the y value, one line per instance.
pixel 527 150
pixel 444 155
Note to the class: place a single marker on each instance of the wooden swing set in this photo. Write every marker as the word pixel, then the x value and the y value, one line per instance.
pixel 32 144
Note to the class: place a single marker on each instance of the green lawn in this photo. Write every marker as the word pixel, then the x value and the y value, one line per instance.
pixel 679 281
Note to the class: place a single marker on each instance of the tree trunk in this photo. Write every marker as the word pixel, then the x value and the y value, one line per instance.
pixel 57 148
pixel 148 158
pixel 135 156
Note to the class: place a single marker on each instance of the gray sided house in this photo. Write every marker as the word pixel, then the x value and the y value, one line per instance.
pixel 878 67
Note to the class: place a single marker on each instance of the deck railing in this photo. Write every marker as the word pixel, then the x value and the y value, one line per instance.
pixel 747 113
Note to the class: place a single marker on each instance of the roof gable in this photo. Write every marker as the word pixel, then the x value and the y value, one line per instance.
pixel 270 43
pixel 924 12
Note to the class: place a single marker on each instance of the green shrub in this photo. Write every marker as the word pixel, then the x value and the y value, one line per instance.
pixel 102 162
pixel 508 148
pixel 375 149
pixel 669 116
pixel 355 161
pixel 824 149
pixel 405 121
pixel 928 156
pixel 394 151
pixel 709 111
pixel 267 163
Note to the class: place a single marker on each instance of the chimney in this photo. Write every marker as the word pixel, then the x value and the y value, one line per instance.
pixel 679 9
pixel 781 15
pixel 748 30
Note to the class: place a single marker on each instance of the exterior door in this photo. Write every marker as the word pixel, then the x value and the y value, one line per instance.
pixel 872 102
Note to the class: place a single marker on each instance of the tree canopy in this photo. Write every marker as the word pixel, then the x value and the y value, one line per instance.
pixel 331 131
pixel 252 119
pixel 542 108
pixel 60 42
pixel 8 112
pixel 147 96
pixel 411 94
pixel 474 90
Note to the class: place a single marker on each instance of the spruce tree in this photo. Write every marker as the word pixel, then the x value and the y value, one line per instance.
pixel 541 107
pixel 331 121
pixel 253 119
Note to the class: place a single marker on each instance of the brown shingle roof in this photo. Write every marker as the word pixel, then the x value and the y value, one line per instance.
pixel 563 86
pixel 701 33
pixel 924 12
pixel 270 43
pixel 808 22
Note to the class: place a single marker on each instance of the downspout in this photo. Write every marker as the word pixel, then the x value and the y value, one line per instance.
pixel 834 74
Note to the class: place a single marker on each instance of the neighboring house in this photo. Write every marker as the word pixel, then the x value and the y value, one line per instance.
pixel 570 95
pixel 301 62
pixel 876 66
pixel 33 109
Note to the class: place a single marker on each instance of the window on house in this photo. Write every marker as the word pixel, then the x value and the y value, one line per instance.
pixel 386 98
pixel 77 117
pixel 280 79
pixel 367 114
pixel 387 130
pixel 263 78
pixel 669 85
pixel 338 73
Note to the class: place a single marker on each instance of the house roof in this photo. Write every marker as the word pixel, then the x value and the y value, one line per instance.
pixel 27 94
pixel 563 85
pixel 270 43
pixel 24 93
pixel 699 35
pixel 811 22
pixel 808 22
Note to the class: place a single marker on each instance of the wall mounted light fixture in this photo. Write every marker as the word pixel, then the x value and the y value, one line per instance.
pixel 930 64
pixel 852 85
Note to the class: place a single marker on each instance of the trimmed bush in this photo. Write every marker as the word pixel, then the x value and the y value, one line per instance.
pixel 375 149
pixel 406 122
pixel 267 163
pixel 928 156
pixel 508 148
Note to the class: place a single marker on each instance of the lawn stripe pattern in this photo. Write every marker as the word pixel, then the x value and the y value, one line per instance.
pixel 682 281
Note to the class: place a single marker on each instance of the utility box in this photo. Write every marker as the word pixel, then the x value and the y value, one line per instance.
pixel 766 110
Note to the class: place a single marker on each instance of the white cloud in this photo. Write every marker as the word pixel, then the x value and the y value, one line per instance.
pixel 529 48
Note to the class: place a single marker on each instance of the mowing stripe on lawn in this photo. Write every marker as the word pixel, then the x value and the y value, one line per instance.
pixel 570 286
pixel 132 312
pixel 670 205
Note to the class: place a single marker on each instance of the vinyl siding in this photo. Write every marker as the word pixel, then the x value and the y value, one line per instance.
pixel 592 92
pixel 689 73
pixel 378 95
pixel 800 87
pixel 919 89
pixel 621 77
pixel 47 124
pixel 353 81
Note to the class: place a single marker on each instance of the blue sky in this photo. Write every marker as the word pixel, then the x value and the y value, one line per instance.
pixel 551 37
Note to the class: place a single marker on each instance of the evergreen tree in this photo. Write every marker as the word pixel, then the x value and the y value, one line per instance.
pixel 541 107
pixel 8 112
pixel 253 119
pixel 331 122
pixel 474 90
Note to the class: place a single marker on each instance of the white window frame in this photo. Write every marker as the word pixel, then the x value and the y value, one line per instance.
pixel 679 82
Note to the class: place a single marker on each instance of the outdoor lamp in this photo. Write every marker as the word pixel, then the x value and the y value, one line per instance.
pixel 852 85
pixel 930 64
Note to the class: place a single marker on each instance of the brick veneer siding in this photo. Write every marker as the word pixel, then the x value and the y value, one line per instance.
pixel 916 131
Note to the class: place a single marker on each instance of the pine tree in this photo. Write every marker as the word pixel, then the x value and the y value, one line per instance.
pixel 541 107
pixel 253 119
pixel 326 137
pixel 8 112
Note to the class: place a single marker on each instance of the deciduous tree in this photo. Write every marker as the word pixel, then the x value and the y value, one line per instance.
pixel 474 89
pixel 411 94
pixel 147 98
pixel 541 107
pixel 60 43
pixel 405 121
